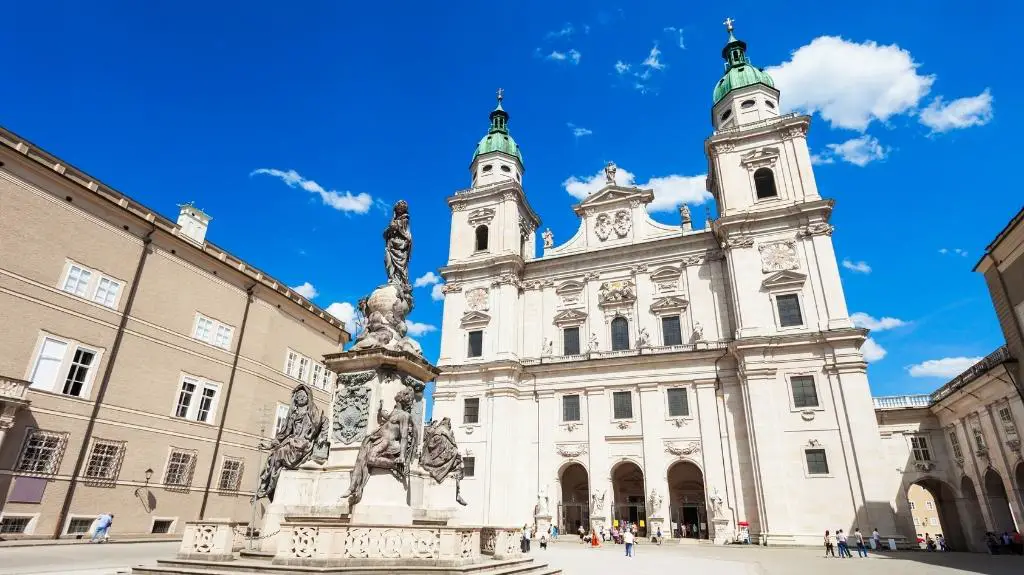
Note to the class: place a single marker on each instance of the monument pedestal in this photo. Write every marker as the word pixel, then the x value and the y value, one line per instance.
pixel 307 492
pixel 724 532
pixel 543 521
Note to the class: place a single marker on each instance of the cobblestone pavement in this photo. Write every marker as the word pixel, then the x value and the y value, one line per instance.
pixel 82 559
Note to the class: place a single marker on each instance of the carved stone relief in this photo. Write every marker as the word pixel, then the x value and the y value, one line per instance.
pixel 603 227
pixel 817 228
pixel 623 223
pixel 571 449
pixel 481 216
pixel 351 407
pixel 737 242
pixel 476 299
pixel 778 256
pixel 688 448
pixel 616 292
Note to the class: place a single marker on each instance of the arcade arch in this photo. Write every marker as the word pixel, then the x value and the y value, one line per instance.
pixel 688 508
pixel 628 499
pixel 574 508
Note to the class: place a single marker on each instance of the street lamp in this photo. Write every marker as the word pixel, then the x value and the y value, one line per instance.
pixel 149 474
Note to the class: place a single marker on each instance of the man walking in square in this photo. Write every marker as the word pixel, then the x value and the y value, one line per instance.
pixel 628 539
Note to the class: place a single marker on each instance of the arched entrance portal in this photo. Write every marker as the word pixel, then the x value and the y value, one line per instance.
pixel 689 514
pixel 950 525
pixel 998 502
pixel 628 497
pixel 574 510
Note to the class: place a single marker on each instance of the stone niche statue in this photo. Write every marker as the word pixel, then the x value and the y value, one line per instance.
pixel 390 446
pixel 440 456
pixel 303 437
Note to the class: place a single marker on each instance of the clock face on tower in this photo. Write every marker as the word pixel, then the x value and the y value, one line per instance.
pixel 778 256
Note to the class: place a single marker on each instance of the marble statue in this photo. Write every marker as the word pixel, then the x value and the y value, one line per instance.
pixel 593 344
pixel 542 503
pixel 609 173
pixel 398 242
pixel 597 502
pixel 389 447
pixel 549 238
pixel 440 456
pixel 656 501
pixel 698 331
pixel 716 505
pixel 684 213
pixel 303 437
pixel 643 339
pixel 549 348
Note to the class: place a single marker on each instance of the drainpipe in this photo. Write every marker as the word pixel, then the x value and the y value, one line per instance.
pixel 102 391
pixel 227 402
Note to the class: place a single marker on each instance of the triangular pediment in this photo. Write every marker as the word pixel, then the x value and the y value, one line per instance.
pixel 783 279
pixel 570 286
pixel 613 195
pixel 474 318
pixel 669 304
pixel 666 272
pixel 570 317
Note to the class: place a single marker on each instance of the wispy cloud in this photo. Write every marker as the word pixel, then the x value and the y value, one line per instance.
pixel 861 319
pixel 571 56
pixel 567 30
pixel 960 113
pixel 621 67
pixel 653 59
pixel 427 279
pixel 953 252
pixel 343 201
pixel 946 368
pixel 305 290
pixel 579 131
pixel 437 292
pixel 861 267
pixel 859 151
pixel 643 71
pixel 669 191
pixel 416 329
pixel 678 33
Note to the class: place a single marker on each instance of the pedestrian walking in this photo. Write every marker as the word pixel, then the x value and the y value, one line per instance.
pixel 829 550
pixel 876 540
pixel 658 535
pixel 844 550
pixel 858 538
pixel 627 538
pixel 581 532
pixel 102 530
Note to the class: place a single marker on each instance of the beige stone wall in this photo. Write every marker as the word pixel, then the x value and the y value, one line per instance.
pixel 41 231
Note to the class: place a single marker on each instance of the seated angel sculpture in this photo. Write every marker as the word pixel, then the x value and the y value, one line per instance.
pixel 389 447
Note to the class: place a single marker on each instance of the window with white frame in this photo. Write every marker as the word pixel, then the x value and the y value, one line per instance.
pixel 297 366
pixel 197 399
pixel 304 363
pixel 788 306
pixel 933 521
pixel 954 442
pixel 1009 427
pixel 181 465
pixel 90 284
pixel 805 395
pixel 817 462
pixel 280 418
pixel 15 523
pixel 42 451
pixel 318 376
pixel 571 407
pixel 469 466
pixel 919 445
pixel 105 459
pixel 471 410
pixel 64 366
pixel 230 474
pixel 678 405
pixel 213 332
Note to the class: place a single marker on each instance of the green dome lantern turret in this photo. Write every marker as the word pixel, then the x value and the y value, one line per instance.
pixel 739 72
pixel 498 138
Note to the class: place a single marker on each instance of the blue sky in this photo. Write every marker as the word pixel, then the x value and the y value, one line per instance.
pixel 347 107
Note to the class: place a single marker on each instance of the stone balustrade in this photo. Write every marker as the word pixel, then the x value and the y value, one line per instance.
pixel 901 401
pixel 211 540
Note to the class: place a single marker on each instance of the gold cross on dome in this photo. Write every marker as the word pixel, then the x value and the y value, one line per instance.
pixel 728 24
pixel 501 94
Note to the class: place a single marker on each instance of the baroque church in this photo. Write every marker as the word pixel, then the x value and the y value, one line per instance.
pixel 705 381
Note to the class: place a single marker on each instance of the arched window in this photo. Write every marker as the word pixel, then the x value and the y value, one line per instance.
pixel 620 334
pixel 764 183
pixel 481 238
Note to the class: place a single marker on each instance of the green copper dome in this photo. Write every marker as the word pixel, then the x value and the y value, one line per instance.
pixel 739 72
pixel 498 138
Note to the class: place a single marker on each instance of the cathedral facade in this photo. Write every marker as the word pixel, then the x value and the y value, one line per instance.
pixel 702 379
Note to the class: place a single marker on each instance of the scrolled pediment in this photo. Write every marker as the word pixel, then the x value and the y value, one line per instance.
pixel 569 286
pixel 475 319
pixel 762 158
pixel 784 279
pixel 570 317
pixel 665 273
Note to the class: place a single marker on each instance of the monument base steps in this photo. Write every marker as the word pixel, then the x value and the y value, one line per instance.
pixel 521 566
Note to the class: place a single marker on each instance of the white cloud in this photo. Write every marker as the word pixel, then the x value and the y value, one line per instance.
pixel 572 55
pixel 437 292
pixel 943 251
pixel 621 67
pixel 859 267
pixel 851 84
pixel 861 319
pixel 652 60
pixel 305 290
pixel 427 279
pixel 872 351
pixel 417 329
pixel 579 131
pixel 947 367
pixel 859 151
pixel 669 191
pixel 347 313
pixel 956 251
pixel 677 32
pixel 960 113
pixel 566 30
pixel 342 201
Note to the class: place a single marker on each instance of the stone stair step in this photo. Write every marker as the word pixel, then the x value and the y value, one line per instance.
pixel 521 566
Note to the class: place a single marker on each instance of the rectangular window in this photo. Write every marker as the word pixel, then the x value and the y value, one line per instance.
pixel 51 356
pixel 291 363
pixel 920 447
pixel 41 452
pixel 471 410
pixel 106 292
pixel 671 334
pixel 14 524
pixel 105 459
pixel 162 525
pixel 318 376
pixel 80 525
pixel 917 520
pixel 928 505
pixel 280 418
pixel 79 371
pixel 678 404
pixel 789 310
pixel 213 332
pixel 570 408
pixel 817 464
pixel 979 439
pixel 222 338
pixel 912 505
pixel 303 368
pixel 201 408
pixel 1006 418
pixel 469 466
pixel 180 466
pixel 204 327
pixel 77 282
pixel 230 474
pixel 954 442
pixel 804 393
pixel 571 341
pixel 622 402
pixel 476 343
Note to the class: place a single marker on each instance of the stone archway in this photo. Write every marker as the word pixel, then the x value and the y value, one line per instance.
pixel 574 507
pixel 974 520
pixel 689 513
pixel 628 499
pixel 998 502
pixel 950 524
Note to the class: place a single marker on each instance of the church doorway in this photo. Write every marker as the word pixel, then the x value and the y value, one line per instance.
pixel 628 500
pixel 574 509
pixel 998 502
pixel 689 513
pixel 950 525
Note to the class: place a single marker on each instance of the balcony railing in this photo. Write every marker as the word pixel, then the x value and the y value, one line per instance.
pixel 972 373
pixel 653 350
pixel 901 401
pixel 757 124
pixel 11 388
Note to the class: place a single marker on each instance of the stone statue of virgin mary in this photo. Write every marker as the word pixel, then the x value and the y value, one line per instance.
pixel 398 246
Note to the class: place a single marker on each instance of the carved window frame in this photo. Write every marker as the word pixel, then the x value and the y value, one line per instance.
pixel 774 295
pixel 829 461
pixel 570 288
pixel 570 318
pixel 817 392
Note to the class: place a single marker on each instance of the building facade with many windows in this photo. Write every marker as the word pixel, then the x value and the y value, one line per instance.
pixel 140 365
pixel 700 379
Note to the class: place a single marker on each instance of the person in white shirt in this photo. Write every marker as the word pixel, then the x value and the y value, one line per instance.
pixel 628 539
pixel 876 540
